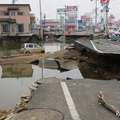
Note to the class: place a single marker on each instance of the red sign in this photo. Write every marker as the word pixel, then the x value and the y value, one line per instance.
pixel 104 1
pixel 110 24
pixel 112 16
pixel 83 17
pixel 72 8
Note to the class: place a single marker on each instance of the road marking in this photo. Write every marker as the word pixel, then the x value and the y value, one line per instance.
pixel 95 47
pixel 92 45
pixel 70 102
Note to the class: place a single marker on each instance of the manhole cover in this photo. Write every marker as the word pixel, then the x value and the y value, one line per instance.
pixel 39 114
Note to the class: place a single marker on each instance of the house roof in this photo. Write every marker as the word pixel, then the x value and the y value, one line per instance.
pixel 14 5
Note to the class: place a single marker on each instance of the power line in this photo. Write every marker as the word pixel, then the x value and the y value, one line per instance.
pixel 46 5
pixel 112 1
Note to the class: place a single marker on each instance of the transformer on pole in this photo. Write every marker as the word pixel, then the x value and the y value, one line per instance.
pixel 13 2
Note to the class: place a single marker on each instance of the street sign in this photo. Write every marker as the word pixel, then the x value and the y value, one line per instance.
pixel 102 19
pixel 80 21
pixel 60 10
pixel 72 8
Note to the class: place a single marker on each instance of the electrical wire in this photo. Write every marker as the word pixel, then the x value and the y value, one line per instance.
pixel 46 6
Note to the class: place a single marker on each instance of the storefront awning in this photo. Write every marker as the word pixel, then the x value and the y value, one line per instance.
pixel 47 26
pixel 70 25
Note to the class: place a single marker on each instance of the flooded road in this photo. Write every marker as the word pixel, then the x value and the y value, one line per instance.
pixel 16 78
pixel 15 81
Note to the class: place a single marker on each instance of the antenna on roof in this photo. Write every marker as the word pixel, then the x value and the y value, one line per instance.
pixel 13 2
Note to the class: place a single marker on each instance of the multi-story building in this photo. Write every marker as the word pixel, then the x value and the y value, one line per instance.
pixel 14 19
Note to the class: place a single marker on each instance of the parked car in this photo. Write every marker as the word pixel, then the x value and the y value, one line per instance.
pixel 80 29
pixel 47 29
pixel 28 48
pixel 96 30
pixel 112 31
pixel 116 32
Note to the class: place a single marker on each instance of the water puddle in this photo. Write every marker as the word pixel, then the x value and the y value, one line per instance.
pixel 16 78
pixel 52 47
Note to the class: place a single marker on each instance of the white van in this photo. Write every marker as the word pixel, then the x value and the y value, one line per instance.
pixel 28 48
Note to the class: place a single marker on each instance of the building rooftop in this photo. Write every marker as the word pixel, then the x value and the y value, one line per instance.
pixel 16 5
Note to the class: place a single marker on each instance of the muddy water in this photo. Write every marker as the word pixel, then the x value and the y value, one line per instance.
pixel 16 78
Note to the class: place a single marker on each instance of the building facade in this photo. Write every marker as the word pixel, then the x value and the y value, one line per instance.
pixel 14 19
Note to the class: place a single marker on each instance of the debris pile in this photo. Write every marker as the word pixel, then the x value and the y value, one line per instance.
pixel 19 107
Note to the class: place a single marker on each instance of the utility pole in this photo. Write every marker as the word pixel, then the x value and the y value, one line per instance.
pixel 95 12
pixel 41 28
pixel 65 26
pixel 106 23
pixel 105 3
pixel 44 27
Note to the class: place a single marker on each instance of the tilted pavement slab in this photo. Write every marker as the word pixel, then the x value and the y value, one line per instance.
pixel 99 46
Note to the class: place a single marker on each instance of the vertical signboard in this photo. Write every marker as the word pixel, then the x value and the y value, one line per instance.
pixel 72 15
pixel 71 11
pixel 32 18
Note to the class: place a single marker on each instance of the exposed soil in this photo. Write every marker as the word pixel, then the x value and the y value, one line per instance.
pixel 99 67
pixel 9 40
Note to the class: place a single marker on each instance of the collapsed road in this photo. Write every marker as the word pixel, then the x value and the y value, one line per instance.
pixel 83 92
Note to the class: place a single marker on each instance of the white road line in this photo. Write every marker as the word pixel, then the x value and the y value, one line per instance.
pixel 95 47
pixel 70 102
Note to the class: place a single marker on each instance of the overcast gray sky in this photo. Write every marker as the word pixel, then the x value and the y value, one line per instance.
pixel 49 7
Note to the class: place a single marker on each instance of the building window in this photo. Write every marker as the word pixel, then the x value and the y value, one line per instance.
pixel 5 28
pixel 21 13
pixel 12 13
pixel 30 46
pixel 20 27
pixel 5 13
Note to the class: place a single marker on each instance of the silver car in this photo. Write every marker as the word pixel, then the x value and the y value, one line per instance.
pixel 28 48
